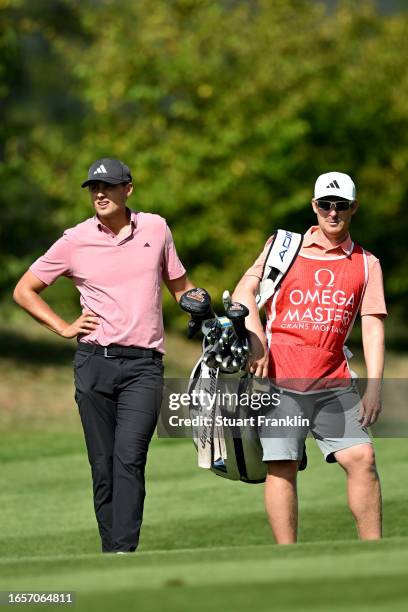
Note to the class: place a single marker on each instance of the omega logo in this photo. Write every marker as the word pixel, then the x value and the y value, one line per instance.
pixel 324 277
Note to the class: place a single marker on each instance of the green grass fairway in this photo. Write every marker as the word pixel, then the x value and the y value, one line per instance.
pixel 205 541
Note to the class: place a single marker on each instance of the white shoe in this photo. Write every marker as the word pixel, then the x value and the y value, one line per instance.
pixel 123 552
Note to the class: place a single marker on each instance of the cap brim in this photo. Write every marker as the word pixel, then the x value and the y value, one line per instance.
pixel 332 192
pixel 110 181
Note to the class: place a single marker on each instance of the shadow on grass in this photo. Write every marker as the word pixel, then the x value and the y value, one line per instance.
pixel 40 351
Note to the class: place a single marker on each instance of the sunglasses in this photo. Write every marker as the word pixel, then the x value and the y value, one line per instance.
pixel 337 205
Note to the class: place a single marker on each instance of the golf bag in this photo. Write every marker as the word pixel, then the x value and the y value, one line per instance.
pixel 232 452
pixel 235 452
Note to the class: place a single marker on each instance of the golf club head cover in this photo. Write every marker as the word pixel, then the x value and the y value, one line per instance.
pixel 197 302
pixel 237 312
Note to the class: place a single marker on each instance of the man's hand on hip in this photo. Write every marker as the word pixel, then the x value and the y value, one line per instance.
pixel 85 324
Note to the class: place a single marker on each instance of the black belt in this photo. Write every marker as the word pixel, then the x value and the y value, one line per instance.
pixel 116 350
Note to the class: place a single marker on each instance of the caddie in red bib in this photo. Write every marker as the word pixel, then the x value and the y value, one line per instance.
pixel 312 291
pixel 310 317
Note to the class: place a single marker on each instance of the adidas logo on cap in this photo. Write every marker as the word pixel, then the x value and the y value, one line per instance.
pixel 101 170
pixel 333 185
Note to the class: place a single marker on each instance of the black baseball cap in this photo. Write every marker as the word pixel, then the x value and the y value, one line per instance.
pixel 108 170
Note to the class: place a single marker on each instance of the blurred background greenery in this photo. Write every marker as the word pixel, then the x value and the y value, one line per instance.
pixel 226 111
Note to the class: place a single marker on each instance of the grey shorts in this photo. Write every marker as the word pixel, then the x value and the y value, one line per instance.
pixel 330 416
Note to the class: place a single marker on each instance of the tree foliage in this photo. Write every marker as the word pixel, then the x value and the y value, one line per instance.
pixel 226 111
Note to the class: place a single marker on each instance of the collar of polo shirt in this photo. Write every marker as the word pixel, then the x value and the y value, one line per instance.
pixel 314 237
pixel 131 213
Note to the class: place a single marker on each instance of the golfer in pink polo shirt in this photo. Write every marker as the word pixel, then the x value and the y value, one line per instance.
pixel 118 260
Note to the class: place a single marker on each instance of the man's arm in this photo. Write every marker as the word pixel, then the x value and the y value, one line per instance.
pixel 372 327
pixel 245 293
pixel 26 294
pixel 178 286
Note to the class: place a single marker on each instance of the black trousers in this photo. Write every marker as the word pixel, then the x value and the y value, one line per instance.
pixel 119 402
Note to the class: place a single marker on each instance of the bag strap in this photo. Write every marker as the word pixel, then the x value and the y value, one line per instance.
pixel 284 249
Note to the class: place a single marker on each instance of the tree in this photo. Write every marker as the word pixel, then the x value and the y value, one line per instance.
pixel 227 111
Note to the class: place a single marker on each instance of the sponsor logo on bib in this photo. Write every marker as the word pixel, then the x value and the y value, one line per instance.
pixel 321 308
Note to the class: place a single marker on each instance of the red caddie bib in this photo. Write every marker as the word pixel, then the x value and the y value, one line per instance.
pixel 310 317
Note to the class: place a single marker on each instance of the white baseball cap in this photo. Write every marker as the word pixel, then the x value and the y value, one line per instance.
pixel 335 184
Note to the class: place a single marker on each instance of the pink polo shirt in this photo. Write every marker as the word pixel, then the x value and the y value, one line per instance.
pixel 315 243
pixel 118 280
